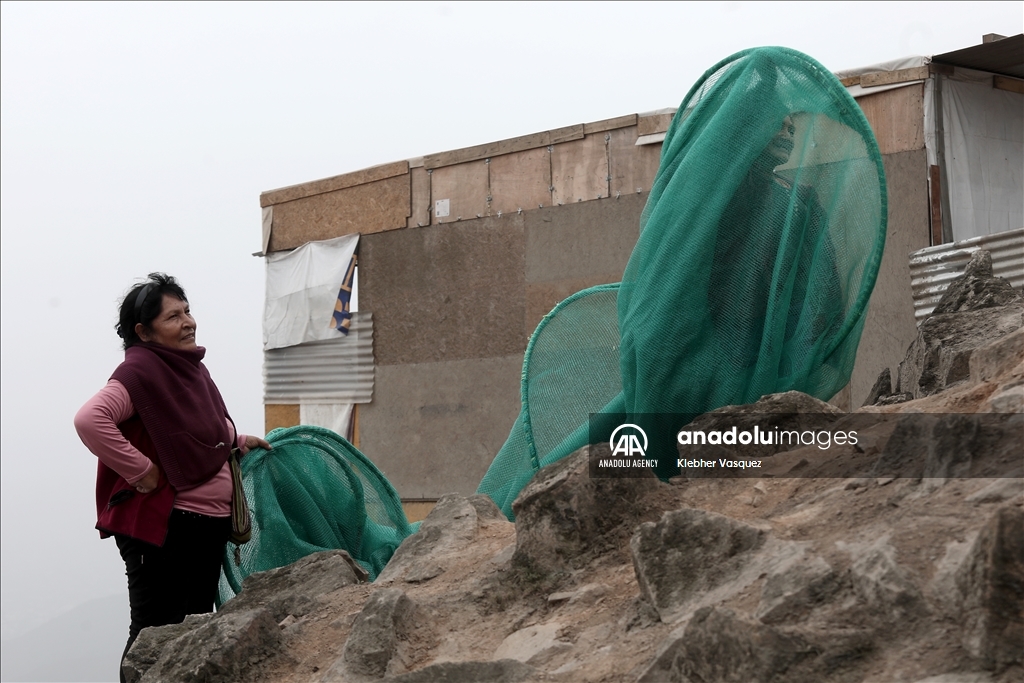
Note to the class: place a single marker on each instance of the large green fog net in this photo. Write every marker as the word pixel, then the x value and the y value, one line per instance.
pixel 759 247
pixel 313 491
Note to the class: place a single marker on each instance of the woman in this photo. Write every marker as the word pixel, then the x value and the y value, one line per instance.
pixel 163 438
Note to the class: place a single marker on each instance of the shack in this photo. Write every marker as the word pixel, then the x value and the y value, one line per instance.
pixel 461 253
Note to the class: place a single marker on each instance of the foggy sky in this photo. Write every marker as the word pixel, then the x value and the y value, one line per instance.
pixel 138 137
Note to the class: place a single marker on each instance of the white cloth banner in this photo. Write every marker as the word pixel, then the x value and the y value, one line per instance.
pixel 984 141
pixel 302 289
pixel 333 416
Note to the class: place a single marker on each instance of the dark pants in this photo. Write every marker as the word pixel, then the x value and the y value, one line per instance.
pixel 167 583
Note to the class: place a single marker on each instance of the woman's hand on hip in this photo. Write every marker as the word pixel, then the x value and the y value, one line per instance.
pixel 150 481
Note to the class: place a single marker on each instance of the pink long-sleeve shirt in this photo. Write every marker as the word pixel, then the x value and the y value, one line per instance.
pixel 96 423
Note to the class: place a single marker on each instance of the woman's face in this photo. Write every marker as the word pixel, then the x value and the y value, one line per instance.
pixel 781 145
pixel 174 327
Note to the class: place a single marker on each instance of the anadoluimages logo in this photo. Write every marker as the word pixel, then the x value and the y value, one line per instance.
pixel 628 444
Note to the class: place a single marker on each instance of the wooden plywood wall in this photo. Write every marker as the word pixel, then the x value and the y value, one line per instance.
pixel 568 165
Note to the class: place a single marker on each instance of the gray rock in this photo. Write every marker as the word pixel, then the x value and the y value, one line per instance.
pixel 148 647
pixel 997 491
pixel 998 357
pixel 881 388
pixel 967 677
pixel 225 649
pixel 376 643
pixel 977 288
pixel 941 354
pixel 718 645
pixel 991 584
pixel 563 513
pixel 295 589
pixel 793 591
pixel 502 671
pixel 534 645
pixel 687 553
pixel 1007 401
pixel 942 590
pixel 588 594
pixel 784 403
pixel 941 446
pixel 893 399
pixel 883 586
pixel 423 573
pixel 452 524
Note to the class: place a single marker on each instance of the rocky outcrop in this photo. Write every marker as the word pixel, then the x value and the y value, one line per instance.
pixel 882 586
pixel 222 649
pixel 295 589
pixel 534 644
pixel 230 644
pixel 453 524
pixel 689 553
pixel 977 288
pixel 564 516
pixel 793 590
pixel 501 671
pixel 991 584
pixel 975 310
pixel 377 643
pixel 720 646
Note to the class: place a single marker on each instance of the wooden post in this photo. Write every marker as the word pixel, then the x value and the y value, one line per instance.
pixel 935 192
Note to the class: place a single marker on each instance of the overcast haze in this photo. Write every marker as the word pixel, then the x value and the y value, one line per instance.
pixel 138 137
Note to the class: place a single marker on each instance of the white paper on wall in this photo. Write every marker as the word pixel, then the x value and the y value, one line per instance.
pixel 302 288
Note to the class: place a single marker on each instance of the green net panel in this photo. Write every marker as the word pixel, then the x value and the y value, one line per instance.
pixel 314 491
pixel 571 370
pixel 759 247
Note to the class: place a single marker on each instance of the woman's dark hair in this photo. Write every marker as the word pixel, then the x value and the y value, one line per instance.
pixel 143 303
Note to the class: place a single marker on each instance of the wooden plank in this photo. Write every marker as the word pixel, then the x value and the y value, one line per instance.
pixel 655 123
pixel 355 425
pixel 647 167
pixel 579 170
pixel 338 182
pixel 897 118
pixel 520 181
pixel 625 162
pixel 609 124
pixel 465 186
pixel 420 211
pixel 275 416
pixel 417 510
pixel 493 149
pixel 850 80
pixel 873 80
pixel 935 196
pixel 1006 83
pixel 365 209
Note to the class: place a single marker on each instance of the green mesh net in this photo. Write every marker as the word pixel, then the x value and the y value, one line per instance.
pixel 759 247
pixel 314 491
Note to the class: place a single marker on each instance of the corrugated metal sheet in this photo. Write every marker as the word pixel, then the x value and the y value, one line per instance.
pixel 933 268
pixel 324 371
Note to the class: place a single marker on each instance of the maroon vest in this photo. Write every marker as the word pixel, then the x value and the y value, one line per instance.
pixel 181 409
